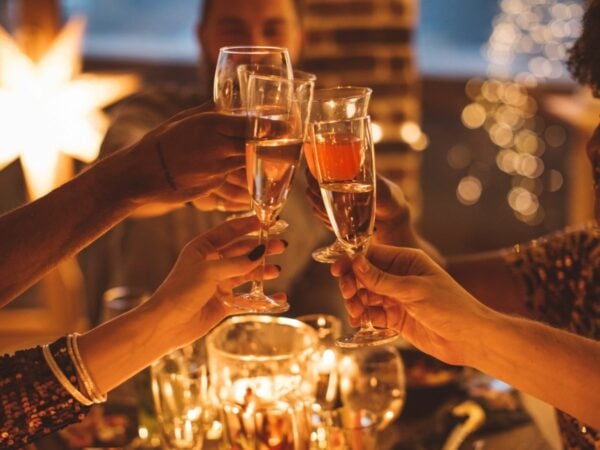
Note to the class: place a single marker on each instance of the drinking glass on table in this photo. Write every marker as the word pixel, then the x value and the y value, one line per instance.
pixel 373 378
pixel 330 104
pixel 345 166
pixel 278 113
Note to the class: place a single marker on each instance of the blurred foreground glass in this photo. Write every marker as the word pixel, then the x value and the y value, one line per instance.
pixel 345 429
pixel 261 368
pixel 331 104
pixel 326 358
pixel 345 162
pixel 278 114
pixel 373 378
pixel 179 388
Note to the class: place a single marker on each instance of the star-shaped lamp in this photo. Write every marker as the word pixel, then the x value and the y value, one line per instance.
pixel 51 107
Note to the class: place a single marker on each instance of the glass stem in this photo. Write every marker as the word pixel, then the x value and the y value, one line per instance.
pixel 365 322
pixel 263 236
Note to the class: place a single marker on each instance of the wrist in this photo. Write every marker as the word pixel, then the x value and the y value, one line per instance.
pixel 482 335
pixel 136 174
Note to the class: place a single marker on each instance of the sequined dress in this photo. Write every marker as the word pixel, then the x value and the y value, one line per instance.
pixel 561 275
pixel 33 403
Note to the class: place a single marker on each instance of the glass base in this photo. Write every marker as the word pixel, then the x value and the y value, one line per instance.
pixel 330 254
pixel 256 303
pixel 368 338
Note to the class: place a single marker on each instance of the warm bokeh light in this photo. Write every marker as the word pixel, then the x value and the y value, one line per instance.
pixel 377 132
pixel 50 107
pixel 531 34
pixel 469 190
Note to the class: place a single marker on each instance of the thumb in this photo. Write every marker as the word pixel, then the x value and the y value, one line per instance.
pixel 378 281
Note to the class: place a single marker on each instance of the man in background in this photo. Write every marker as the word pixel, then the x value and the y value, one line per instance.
pixel 139 252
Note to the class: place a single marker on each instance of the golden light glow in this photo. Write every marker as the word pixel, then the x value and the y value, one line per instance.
pixel 50 107
pixel 535 34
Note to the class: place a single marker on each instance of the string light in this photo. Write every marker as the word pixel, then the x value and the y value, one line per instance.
pixel 534 34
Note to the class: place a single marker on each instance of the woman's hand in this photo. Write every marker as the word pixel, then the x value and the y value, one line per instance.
pixel 207 271
pixel 405 289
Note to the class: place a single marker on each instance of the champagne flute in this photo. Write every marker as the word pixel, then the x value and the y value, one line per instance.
pixel 330 104
pixel 373 378
pixel 345 165
pixel 278 112
pixel 234 64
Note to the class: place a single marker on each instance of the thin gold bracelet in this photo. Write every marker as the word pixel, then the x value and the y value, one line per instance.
pixel 62 379
pixel 88 381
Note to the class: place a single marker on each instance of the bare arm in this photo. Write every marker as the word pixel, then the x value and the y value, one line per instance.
pixel 558 367
pixel 434 313
pixel 197 155
pixel 39 235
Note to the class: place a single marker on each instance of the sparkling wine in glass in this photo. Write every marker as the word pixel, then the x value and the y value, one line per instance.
pixel 278 113
pixel 373 378
pixel 345 163
pixel 331 104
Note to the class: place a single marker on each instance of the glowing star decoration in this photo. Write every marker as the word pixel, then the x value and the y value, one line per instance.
pixel 50 107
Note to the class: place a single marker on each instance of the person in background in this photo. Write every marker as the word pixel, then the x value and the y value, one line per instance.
pixel 140 252
pixel 554 280
pixel 47 388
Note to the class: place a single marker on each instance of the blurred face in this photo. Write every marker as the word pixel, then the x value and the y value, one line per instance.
pixel 250 22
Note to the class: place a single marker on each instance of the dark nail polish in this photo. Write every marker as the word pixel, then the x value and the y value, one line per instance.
pixel 257 252
pixel 374 229
pixel 190 205
pixel 277 218
pixel 285 243
pixel 278 267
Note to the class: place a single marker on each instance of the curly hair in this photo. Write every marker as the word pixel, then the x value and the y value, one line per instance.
pixel 584 56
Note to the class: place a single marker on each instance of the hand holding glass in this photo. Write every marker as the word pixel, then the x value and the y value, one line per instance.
pixel 345 163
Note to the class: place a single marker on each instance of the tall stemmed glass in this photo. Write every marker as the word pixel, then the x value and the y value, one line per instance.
pixel 330 104
pixel 234 64
pixel 345 163
pixel 278 112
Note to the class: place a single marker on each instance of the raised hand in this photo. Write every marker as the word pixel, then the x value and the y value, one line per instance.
pixel 405 289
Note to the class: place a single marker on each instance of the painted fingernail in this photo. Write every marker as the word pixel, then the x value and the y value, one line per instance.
pixel 374 229
pixel 278 218
pixel 278 267
pixel 285 243
pixel 257 252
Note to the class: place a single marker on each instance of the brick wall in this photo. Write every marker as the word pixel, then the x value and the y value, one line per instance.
pixel 370 43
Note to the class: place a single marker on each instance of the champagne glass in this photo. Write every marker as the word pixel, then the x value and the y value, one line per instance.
pixel 278 112
pixel 330 104
pixel 373 378
pixel 345 165
pixel 235 64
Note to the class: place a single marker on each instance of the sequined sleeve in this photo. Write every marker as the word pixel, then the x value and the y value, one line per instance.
pixel 32 402
pixel 561 276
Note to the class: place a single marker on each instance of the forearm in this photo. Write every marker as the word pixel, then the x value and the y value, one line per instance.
pixel 558 367
pixel 39 235
pixel 117 350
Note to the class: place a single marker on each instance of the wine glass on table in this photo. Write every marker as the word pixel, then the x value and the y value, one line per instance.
pixel 344 158
pixel 373 378
pixel 278 113
pixel 330 104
